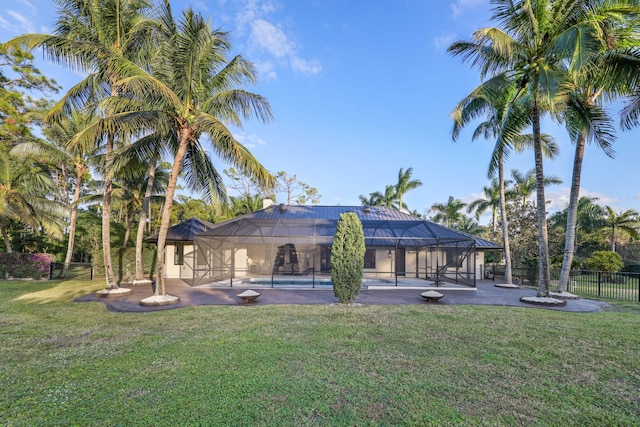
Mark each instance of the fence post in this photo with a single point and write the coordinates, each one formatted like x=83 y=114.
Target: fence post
x=91 y=273
x=50 y=271
x=638 y=287
x=599 y=280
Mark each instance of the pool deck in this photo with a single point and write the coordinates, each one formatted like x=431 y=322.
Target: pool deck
x=485 y=294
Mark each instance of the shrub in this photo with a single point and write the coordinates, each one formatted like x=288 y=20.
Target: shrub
x=604 y=261
x=20 y=265
x=347 y=257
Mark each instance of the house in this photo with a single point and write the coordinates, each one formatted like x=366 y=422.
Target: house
x=179 y=247
x=287 y=242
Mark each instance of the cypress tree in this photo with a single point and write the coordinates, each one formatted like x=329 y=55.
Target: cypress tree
x=347 y=257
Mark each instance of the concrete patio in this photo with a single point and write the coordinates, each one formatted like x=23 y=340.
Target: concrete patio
x=485 y=294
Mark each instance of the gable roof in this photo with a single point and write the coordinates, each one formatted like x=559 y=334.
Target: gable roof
x=381 y=225
x=184 y=231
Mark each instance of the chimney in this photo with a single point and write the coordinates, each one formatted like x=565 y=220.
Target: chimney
x=266 y=203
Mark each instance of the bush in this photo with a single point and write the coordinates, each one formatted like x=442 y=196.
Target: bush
x=347 y=257
x=604 y=261
x=24 y=266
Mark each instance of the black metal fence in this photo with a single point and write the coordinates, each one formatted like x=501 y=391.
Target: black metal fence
x=76 y=271
x=621 y=286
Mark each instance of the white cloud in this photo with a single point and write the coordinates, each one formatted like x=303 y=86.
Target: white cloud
x=265 y=70
x=303 y=66
x=28 y=5
x=460 y=7
x=250 y=141
x=443 y=42
x=269 y=39
x=558 y=198
x=23 y=22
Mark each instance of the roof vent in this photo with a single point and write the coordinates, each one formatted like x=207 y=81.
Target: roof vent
x=366 y=209
x=282 y=207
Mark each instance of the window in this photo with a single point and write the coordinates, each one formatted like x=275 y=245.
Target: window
x=370 y=258
x=178 y=258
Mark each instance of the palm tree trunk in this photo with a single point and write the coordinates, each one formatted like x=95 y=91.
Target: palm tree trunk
x=106 y=216
x=7 y=244
x=73 y=219
x=613 y=238
x=5 y=237
x=127 y=232
x=185 y=136
x=508 y=278
x=572 y=215
x=544 y=279
x=143 y=221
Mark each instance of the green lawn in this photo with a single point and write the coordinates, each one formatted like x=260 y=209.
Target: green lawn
x=67 y=363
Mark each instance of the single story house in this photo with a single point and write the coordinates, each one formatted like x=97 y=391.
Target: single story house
x=179 y=247
x=294 y=242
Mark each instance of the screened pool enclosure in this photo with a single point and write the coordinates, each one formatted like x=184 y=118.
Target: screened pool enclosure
x=292 y=244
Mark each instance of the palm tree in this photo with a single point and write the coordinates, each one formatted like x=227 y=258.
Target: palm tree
x=405 y=184
x=25 y=196
x=505 y=120
x=588 y=122
x=193 y=91
x=531 y=47
x=491 y=200
x=60 y=134
x=525 y=184
x=388 y=199
x=628 y=221
x=95 y=36
x=448 y=213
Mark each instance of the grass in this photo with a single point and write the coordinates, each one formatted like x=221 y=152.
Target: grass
x=66 y=363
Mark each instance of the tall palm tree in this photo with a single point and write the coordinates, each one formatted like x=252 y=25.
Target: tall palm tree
x=628 y=221
x=194 y=90
x=60 y=134
x=94 y=36
x=405 y=184
x=532 y=45
x=585 y=120
x=448 y=213
x=505 y=119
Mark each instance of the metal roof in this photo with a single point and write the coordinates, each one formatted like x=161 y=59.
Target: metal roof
x=184 y=231
x=381 y=225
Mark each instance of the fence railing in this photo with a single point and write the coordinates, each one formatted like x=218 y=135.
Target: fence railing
x=587 y=283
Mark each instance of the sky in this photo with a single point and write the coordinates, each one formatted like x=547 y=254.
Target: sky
x=362 y=88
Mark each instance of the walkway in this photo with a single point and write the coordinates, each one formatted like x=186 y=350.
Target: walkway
x=486 y=294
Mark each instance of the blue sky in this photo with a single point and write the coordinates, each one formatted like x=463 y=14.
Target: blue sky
x=362 y=88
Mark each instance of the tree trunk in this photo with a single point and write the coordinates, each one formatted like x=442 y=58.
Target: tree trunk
x=5 y=237
x=143 y=221
x=572 y=215
x=127 y=231
x=544 y=279
x=185 y=136
x=613 y=238
x=508 y=278
x=73 y=219
x=106 y=216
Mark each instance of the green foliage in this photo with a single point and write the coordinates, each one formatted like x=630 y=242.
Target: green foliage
x=604 y=261
x=347 y=257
